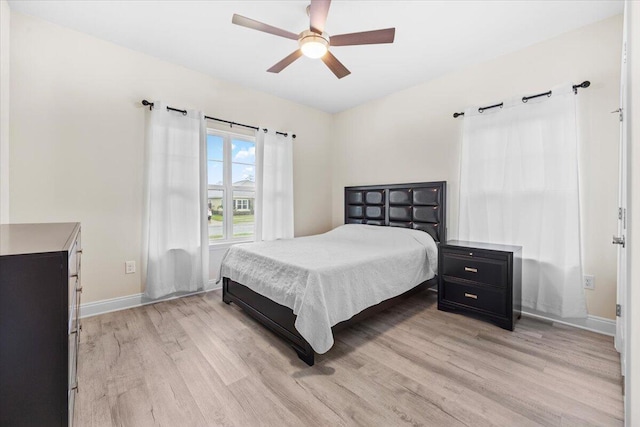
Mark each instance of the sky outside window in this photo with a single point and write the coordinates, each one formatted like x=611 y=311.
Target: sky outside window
x=243 y=155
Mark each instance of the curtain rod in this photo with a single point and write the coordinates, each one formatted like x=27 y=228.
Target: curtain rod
x=184 y=112
x=584 y=84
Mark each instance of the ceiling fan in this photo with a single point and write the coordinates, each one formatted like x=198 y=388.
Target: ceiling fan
x=315 y=42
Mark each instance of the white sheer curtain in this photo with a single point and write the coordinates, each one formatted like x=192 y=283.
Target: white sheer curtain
x=519 y=185
x=175 y=242
x=274 y=169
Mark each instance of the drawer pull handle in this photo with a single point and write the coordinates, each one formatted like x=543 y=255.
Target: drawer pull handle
x=79 y=251
x=471 y=270
x=73 y=276
x=470 y=295
x=79 y=289
x=75 y=386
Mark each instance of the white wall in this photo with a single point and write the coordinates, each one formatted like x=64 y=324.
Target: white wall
x=411 y=136
x=77 y=133
x=632 y=398
x=5 y=24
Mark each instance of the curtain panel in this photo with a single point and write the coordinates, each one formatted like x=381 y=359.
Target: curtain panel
x=519 y=186
x=175 y=239
x=274 y=198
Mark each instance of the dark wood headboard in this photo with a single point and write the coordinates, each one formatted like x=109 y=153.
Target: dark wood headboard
x=421 y=206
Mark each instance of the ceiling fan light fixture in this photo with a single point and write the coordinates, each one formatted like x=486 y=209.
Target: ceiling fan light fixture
x=314 y=42
x=313 y=45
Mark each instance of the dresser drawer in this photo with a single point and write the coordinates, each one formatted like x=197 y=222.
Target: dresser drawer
x=484 y=270
x=78 y=252
x=75 y=282
x=73 y=304
x=71 y=400
x=479 y=297
x=74 y=345
x=73 y=264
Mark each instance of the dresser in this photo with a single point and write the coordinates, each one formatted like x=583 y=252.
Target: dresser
x=481 y=278
x=40 y=289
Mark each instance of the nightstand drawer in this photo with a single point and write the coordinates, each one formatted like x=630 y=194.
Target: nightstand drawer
x=483 y=298
x=483 y=270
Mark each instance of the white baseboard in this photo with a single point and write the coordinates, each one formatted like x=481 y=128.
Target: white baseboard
x=108 y=305
x=596 y=324
x=130 y=301
x=591 y=323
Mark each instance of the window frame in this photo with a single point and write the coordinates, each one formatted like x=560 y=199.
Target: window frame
x=228 y=188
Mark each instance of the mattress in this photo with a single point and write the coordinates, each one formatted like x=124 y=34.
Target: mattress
x=328 y=278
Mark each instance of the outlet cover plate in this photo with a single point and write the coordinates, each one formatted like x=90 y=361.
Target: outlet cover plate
x=129 y=267
x=589 y=281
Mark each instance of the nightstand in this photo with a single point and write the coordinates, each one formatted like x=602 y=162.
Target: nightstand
x=481 y=278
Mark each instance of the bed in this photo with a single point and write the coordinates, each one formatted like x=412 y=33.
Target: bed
x=305 y=289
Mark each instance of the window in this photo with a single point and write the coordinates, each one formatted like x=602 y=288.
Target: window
x=240 y=204
x=231 y=168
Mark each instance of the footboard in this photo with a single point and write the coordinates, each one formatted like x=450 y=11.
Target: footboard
x=281 y=320
x=277 y=317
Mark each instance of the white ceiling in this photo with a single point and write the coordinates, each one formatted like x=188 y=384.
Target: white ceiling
x=432 y=38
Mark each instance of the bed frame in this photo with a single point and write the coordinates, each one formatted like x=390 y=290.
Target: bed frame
x=421 y=206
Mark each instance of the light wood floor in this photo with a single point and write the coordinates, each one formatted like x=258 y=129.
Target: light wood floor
x=199 y=362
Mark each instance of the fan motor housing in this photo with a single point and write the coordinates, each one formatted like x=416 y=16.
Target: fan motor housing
x=312 y=44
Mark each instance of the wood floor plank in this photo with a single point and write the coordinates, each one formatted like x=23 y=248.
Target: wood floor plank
x=508 y=394
x=566 y=357
x=353 y=408
x=260 y=404
x=92 y=401
x=579 y=379
x=171 y=398
x=220 y=357
x=571 y=376
x=196 y=361
x=172 y=335
x=127 y=389
x=547 y=389
x=405 y=407
x=436 y=384
x=217 y=405
x=468 y=407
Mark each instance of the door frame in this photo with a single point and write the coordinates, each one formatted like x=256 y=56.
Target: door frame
x=623 y=319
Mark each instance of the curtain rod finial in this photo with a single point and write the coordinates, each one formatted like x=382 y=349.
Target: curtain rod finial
x=584 y=84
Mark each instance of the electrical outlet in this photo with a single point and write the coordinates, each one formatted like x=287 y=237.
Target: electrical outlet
x=589 y=282
x=129 y=267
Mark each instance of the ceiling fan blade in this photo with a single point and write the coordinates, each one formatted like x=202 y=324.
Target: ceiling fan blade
x=335 y=66
x=257 y=25
x=285 y=62
x=366 y=37
x=318 y=13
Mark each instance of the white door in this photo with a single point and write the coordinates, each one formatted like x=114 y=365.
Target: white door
x=621 y=238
